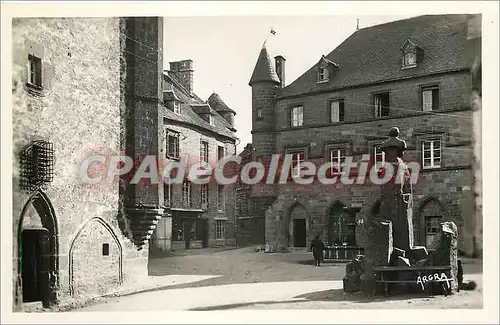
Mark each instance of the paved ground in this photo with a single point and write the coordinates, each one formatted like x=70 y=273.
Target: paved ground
x=244 y=265
x=250 y=280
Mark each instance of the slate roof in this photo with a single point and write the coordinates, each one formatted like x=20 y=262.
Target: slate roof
x=373 y=54
x=264 y=68
x=189 y=105
x=169 y=93
x=247 y=151
x=218 y=104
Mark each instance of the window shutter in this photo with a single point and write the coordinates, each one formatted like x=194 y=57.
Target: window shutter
x=167 y=140
x=435 y=99
x=341 y=111
x=385 y=105
x=427 y=100
x=377 y=106
x=335 y=111
x=177 y=149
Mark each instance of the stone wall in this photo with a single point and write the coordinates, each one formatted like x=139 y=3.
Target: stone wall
x=454 y=201
x=263 y=98
x=78 y=110
x=454 y=94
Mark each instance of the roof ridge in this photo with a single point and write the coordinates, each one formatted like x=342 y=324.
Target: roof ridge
x=406 y=19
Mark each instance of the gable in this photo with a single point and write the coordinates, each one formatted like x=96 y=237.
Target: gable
x=408 y=46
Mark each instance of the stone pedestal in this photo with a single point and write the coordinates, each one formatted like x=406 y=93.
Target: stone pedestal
x=446 y=250
x=393 y=208
x=378 y=250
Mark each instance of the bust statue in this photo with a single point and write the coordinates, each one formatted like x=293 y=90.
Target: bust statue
x=393 y=143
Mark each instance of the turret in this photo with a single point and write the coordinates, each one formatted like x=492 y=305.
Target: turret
x=216 y=102
x=265 y=83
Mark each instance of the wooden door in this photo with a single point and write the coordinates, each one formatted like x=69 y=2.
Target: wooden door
x=35 y=265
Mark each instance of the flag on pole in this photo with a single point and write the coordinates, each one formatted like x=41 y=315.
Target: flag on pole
x=273 y=32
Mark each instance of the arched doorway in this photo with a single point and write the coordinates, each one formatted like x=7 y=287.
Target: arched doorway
x=94 y=247
x=38 y=251
x=298 y=226
x=429 y=222
x=340 y=229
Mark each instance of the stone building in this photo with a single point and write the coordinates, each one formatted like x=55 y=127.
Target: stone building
x=195 y=131
x=412 y=73
x=250 y=214
x=76 y=94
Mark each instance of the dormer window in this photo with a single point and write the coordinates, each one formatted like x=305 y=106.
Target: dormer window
x=211 y=119
x=323 y=74
x=410 y=59
x=177 y=107
x=411 y=54
x=326 y=69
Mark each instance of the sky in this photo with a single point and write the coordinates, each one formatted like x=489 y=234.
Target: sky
x=224 y=51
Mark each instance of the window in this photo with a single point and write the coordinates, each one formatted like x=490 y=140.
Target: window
x=432 y=228
x=378 y=156
x=220 y=229
x=322 y=74
x=204 y=151
x=337 y=160
x=204 y=194
x=381 y=104
x=430 y=98
x=260 y=113
x=211 y=119
x=105 y=249
x=297 y=116
x=337 y=111
x=167 y=190
x=177 y=107
x=220 y=153
x=297 y=159
x=172 y=144
x=409 y=60
x=431 y=153
x=221 y=197
x=34 y=71
x=186 y=194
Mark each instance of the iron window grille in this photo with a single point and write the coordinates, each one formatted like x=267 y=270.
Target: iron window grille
x=36 y=165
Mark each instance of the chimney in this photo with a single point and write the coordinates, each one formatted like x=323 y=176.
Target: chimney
x=183 y=72
x=280 y=69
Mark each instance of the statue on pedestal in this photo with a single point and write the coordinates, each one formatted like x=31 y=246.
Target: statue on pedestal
x=397 y=197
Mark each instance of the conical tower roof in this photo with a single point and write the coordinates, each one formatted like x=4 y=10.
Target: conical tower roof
x=264 y=69
x=218 y=104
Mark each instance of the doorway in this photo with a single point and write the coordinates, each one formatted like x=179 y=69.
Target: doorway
x=35 y=259
x=188 y=232
x=299 y=233
x=38 y=252
x=337 y=226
